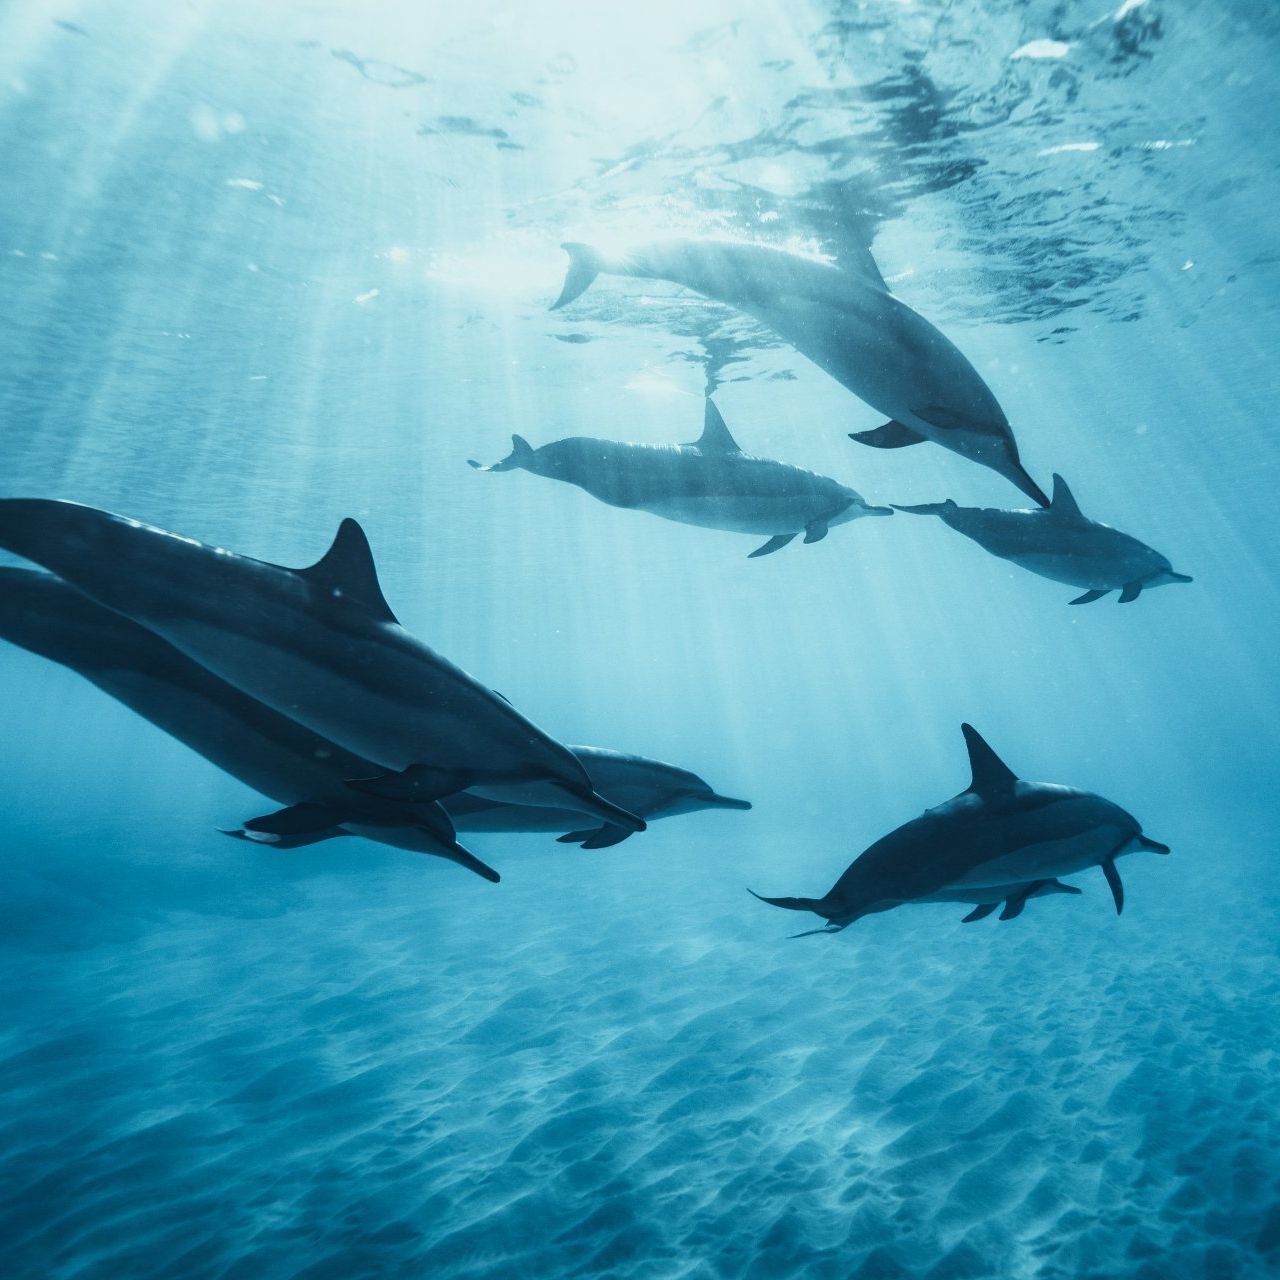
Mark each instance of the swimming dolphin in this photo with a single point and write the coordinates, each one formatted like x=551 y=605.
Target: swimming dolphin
x=247 y=739
x=648 y=788
x=999 y=831
x=1061 y=543
x=710 y=483
x=847 y=322
x=320 y=645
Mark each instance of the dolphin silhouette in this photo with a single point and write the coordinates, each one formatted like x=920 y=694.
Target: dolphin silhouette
x=320 y=645
x=710 y=483
x=1061 y=543
x=999 y=831
x=847 y=322
x=648 y=788
x=247 y=739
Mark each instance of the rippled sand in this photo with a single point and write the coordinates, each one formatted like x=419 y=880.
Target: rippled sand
x=398 y=1070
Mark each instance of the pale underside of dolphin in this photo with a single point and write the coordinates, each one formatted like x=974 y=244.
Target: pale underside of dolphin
x=648 y=788
x=319 y=645
x=245 y=738
x=710 y=483
x=1063 y=544
x=846 y=321
x=1000 y=831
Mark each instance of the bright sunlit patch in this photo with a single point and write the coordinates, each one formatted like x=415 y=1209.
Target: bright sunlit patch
x=1128 y=7
x=361 y=298
x=648 y=383
x=398 y=255
x=1167 y=144
x=246 y=184
x=1042 y=49
x=1069 y=146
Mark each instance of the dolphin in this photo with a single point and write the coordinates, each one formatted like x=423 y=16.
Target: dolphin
x=642 y=786
x=999 y=831
x=320 y=645
x=247 y=739
x=710 y=483
x=1061 y=543
x=847 y=322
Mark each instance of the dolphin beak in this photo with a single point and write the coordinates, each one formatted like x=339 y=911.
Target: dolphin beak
x=1180 y=577
x=1155 y=846
x=723 y=802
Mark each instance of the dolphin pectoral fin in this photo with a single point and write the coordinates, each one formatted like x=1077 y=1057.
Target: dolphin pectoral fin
x=464 y=858
x=980 y=912
x=605 y=837
x=892 y=435
x=585 y=263
x=815 y=531
x=1058 y=886
x=809 y=933
x=776 y=543
x=576 y=837
x=295 y=820
x=1016 y=903
x=1089 y=597
x=419 y=782
x=1114 y=883
x=1132 y=590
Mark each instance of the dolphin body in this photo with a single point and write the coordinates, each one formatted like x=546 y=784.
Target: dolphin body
x=319 y=645
x=847 y=322
x=710 y=483
x=999 y=832
x=247 y=739
x=642 y=786
x=1063 y=544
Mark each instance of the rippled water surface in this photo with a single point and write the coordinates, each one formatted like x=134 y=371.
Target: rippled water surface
x=269 y=265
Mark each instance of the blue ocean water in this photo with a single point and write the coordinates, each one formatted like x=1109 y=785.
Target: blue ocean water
x=270 y=265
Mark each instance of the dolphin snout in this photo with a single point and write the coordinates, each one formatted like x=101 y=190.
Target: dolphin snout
x=723 y=802
x=1154 y=845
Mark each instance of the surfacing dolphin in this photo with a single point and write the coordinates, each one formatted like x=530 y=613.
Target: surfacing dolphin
x=320 y=645
x=847 y=322
x=999 y=831
x=710 y=483
x=1061 y=543
x=648 y=788
x=247 y=739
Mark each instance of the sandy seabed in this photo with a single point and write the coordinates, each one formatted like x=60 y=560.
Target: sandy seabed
x=614 y=1065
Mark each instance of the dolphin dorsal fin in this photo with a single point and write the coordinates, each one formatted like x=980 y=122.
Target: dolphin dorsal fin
x=858 y=261
x=715 y=437
x=347 y=569
x=1064 y=505
x=990 y=773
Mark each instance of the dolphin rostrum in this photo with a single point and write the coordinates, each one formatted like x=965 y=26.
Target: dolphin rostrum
x=847 y=322
x=648 y=788
x=320 y=645
x=247 y=739
x=999 y=831
x=710 y=483
x=1061 y=543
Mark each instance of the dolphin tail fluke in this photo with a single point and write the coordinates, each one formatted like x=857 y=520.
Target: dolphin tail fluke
x=585 y=263
x=521 y=456
x=791 y=904
x=298 y=840
x=603 y=837
x=892 y=435
x=294 y=820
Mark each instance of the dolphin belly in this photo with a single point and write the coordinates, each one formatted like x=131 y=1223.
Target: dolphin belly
x=1049 y=859
x=758 y=514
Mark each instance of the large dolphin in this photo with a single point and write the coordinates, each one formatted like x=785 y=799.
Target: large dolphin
x=320 y=645
x=1063 y=544
x=263 y=749
x=847 y=322
x=642 y=786
x=710 y=483
x=999 y=831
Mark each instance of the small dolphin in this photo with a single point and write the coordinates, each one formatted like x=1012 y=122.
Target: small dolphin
x=1000 y=831
x=320 y=645
x=710 y=483
x=1061 y=543
x=266 y=751
x=847 y=322
x=648 y=788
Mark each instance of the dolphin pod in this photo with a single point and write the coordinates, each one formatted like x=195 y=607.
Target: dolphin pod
x=319 y=645
x=280 y=758
x=711 y=483
x=846 y=321
x=1004 y=836
x=1063 y=544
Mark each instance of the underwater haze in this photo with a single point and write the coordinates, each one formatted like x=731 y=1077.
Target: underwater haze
x=271 y=265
